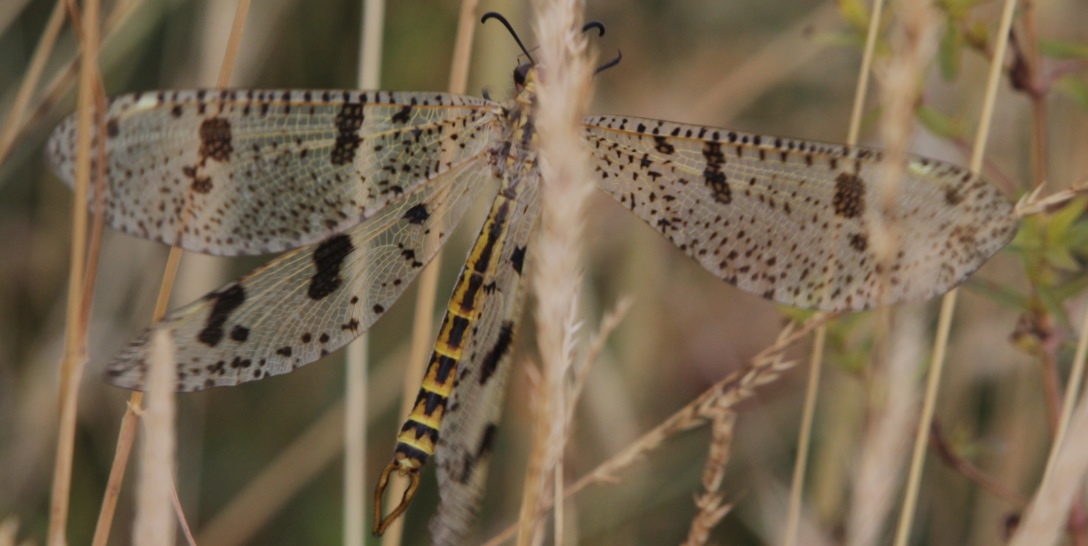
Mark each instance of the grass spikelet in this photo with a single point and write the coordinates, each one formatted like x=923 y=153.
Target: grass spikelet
x=563 y=92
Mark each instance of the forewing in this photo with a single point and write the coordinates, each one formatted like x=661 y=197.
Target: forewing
x=792 y=220
x=472 y=416
x=310 y=301
x=249 y=172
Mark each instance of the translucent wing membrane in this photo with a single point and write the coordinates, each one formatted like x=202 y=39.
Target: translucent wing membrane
x=791 y=220
x=475 y=407
x=249 y=172
x=310 y=301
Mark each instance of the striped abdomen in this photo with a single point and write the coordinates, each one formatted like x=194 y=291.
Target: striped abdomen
x=419 y=434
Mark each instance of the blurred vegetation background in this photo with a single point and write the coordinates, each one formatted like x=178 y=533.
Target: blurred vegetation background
x=785 y=67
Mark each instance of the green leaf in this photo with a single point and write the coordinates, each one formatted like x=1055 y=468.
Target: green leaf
x=840 y=39
x=1053 y=305
x=1078 y=238
x=948 y=54
x=999 y=294
x=1072 y=287
x=1059 y=257
x=938 y=123
x=1061 y=49
x=855 y=13
x=1061 y=220
x=958 y=9
x=1029 y=237
x=1074 y=88
x=977 y=35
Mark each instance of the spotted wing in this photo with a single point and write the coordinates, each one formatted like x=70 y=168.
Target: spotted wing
x=250 y=172
x=310 y=301
x=792 y=220
x=472 y=416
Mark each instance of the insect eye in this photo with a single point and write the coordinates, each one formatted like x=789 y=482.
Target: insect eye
x=521 y=73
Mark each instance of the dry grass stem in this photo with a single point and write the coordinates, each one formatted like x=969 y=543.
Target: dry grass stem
x=125 y=438
x=155 y=491
x=74 y=360
x=791 y=50
x=948 y=303
x=989 y=100
x=295 y=466
x=710 y=504
x=864 y=71
x=462 y=48
x=885 y=444
x=130 y=419
x=563 y=91
x=356 y=358
x=1066 y=465
x=355 y=448
x=1034 y=203
x=33 y=74
x=962 y=466
x=892 y=387
x=1072 y=393
x=1045 y=520
x=912 y=39
x=16 y=125
x=9 y=529
x=764 y=368
x=793 y=517
x=609 y=323
x=9 y=11
x=277 y=482
x=804 y=438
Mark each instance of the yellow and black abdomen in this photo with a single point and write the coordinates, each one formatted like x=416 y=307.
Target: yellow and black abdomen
x=419 y=434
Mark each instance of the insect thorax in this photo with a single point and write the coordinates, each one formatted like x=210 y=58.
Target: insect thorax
x=513 y=152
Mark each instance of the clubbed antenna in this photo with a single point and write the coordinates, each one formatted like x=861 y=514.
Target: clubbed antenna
x=496 y=15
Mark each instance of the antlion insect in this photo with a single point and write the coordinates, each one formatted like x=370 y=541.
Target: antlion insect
x=377 y=181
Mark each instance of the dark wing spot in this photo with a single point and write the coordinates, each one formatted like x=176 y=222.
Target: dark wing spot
x=495 y=356
x=239 y=333
x=328 y=258
x=715 y=178
x=240 y=362
x=284 y=351
x=215 y=139
x=112 y=128
x=348 y=122
x=201 y=184
x=662 y=146
x=952 y=195
x=487 y=440
x=417 y=214
x=517 y=259
x=402 y=115
x=859 y=242
x=849 y=200
x=225 y=304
